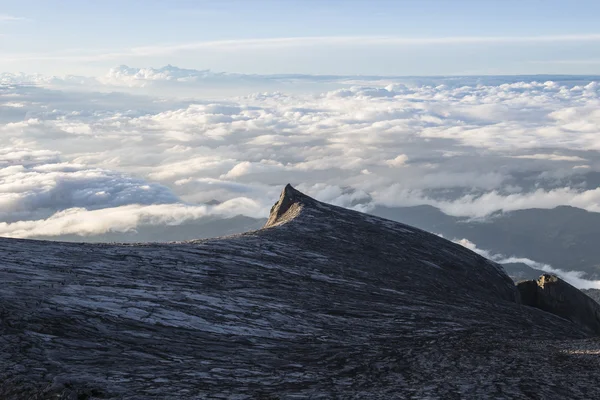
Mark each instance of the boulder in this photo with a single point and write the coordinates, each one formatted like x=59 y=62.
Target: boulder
x=553 y=295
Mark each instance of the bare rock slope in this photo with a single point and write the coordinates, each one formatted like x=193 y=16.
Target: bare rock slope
x=552 y=294
x=322 y=303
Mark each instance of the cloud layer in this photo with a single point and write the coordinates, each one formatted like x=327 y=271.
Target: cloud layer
x=81 y=162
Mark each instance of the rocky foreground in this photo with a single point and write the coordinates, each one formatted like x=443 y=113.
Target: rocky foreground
x=322 y=303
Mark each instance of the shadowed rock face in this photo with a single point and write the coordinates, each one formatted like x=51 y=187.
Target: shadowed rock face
x=322 y=303
x=553 y=295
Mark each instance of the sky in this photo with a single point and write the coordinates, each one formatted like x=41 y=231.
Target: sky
x=373 y=37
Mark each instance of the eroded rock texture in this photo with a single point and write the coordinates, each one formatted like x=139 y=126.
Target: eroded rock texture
x=323 y=303
x=552 y=294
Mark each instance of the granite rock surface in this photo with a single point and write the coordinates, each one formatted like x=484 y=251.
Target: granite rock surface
x=552 y=294
x=322 y=303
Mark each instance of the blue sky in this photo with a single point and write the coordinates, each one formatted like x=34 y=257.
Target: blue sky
x=425 y=37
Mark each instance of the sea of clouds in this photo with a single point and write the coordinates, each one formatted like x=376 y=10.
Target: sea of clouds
x=146 y=147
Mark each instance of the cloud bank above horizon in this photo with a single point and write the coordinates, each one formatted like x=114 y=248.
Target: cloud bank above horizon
x=138 y=150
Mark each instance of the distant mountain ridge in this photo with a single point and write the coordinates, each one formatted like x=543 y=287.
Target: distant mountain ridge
x=564 y=237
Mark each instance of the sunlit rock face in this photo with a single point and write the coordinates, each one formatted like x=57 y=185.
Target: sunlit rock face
x=321 y=303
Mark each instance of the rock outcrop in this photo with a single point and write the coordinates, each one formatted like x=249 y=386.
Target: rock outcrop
x=288 y=206
x=553 y=295
x=322 y=303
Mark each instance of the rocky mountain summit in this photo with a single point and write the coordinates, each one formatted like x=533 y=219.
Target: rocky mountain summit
x=321 y=303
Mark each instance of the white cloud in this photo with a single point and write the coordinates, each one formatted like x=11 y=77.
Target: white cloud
x=575 y=278
x=127 y=76
x=551 y=157
x=247 y=168
x=398 y=161
x=42 y=196
x=85 y=222
x=469 y=147
x=481 y=205
x=12 y=104
x=37 y=182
